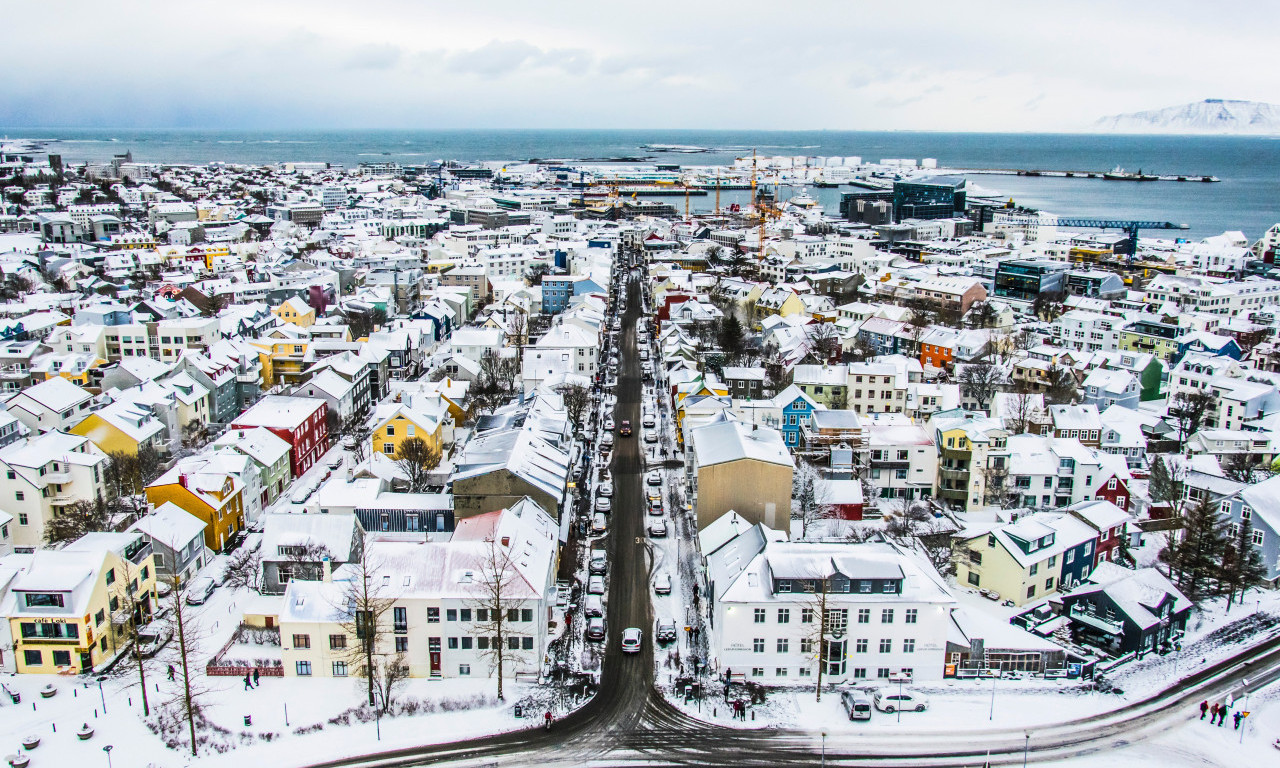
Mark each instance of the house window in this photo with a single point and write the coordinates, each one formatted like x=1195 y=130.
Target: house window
x=464 y=669
x=860 y=645
x=391 y=431
x=339 y=669
x=806 y=615
x=1031 y=591
x=1071 y=555
x=1257 y=538
x=1035 y=568
x=886 y=645
x=402 y=644
x=1048 y=583
x=759 y=615
x=464 y=614
x=433 y=615
x=864 y=615
x=784 y=645
x=32 y=658
x=757 y=645
x=974 y=579
x=453 y=643
x=337 y=642
x=909 y=645
x=784 y=615
x=301 y=642
x=304 y=668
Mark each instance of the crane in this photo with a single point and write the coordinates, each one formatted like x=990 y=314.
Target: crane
x=1128 y=246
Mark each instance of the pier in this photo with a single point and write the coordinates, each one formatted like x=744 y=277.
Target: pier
x=1104 y=175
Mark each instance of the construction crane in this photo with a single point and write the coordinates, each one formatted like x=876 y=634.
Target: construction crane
x=1128 y=246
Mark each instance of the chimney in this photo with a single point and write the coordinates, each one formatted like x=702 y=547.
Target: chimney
x=182 y=480
x=506 y=541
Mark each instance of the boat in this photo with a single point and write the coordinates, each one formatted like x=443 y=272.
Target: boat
x=1120 y=174
x=824 y=184
x=803 y=200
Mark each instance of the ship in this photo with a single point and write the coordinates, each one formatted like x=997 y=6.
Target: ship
x=1120 y=174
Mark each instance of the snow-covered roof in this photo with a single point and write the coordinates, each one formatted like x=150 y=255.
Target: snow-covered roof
x=170 y=525
x=727 y=441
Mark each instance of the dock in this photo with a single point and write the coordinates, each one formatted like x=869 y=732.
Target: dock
x=1104 y=175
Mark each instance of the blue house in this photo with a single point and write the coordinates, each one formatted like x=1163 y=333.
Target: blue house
x=1210 y=343
x=558 y=289
x=797 y=411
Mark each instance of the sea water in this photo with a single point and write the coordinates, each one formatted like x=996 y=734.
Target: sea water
x=1247 y=199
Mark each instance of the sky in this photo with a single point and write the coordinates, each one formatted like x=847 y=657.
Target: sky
x=699 y=64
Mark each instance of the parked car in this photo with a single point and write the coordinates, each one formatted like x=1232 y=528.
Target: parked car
x=658 y=528
x=604 y=505
x=301 y=494
x=335 y=462
x=599 y=523
x=599 y=561
x=650 y=436
x=595 y=585
x=631 y=638
x=655 y=507
x=605 y=489
x=595 y=628
x=152 y=637
x=648 y=422
x=857 y=705
x=606 y=440
x=907 y=700
x=608 y=424
x=198 y=590
x=665 y=631
x=593 y=606
x=662 y=584
x=653 y=478
x=990 y=594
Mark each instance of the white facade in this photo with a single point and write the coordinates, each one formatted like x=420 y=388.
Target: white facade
x=885 y=614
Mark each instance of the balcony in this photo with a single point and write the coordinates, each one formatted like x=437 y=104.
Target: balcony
x=956 y=475
x=1081 y=614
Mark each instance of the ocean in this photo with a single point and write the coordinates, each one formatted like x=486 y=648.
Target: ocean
x=1247 y=198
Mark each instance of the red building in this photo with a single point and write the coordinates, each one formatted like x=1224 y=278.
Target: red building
x=299 y=421
x=1107 y=519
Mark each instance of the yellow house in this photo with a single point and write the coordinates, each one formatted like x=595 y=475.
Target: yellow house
x=296 y=311
x=397 y=422
x=697 y=389
x=73 y=608
x=122 y=427
x=282 y=360
x=212 y=496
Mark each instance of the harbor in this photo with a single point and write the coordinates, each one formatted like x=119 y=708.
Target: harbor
x=1119 y=174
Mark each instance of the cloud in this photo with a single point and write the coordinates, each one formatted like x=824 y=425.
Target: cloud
x=498 y=58
x=374 y=56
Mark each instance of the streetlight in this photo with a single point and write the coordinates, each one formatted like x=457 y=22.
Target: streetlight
x=1026 y=747
x=824 y=749
x=102 y=696
x=108 y=749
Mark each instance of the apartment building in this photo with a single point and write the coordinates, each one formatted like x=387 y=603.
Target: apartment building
x=45 y=474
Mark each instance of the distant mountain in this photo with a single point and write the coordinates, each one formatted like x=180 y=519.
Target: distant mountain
x=1211 y=116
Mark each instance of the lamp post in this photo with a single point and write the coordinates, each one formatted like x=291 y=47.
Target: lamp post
x=899 y=698
x=1026 y=747
x=102 y=696
x=108 y=749
x=824 y=749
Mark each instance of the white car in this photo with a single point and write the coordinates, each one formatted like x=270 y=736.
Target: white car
x=335 y=462
x=595 y=585
x=631 y=637
x=605 y=489
x=658 y=528
x=662 y=584
x=654 y=478
x=199 y=590
x=648 y=422
x=152 y=637
x=606 y=440
x=650 y=436
x=598 y=523
x=603 y=505
x=907 y=700
x=608 y=424
x=665 y=630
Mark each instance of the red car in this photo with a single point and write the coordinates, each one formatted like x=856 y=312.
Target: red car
x=624 y=429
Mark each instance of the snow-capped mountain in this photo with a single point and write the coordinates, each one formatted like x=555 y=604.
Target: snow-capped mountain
x=1220 y=116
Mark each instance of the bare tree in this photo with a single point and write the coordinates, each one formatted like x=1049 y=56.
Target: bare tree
x=244 y=569
x=518 y=332
x=190 y=691
x=1022 y=410
x=820 y=626
x=416 y=458
x=1241 y=467
x=75 y=521
x=824 y=340
x=812 y=495
x=356 y=430
x=497 y=593
x=998 y=488
x=133 y=614
x=577 y=399
x=365 y=600
x=390 y=679
x=1189 y=411
x=935 y=541
x=1060 y=385
x=981 y=381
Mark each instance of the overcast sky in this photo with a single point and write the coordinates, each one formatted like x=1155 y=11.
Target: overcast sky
x=853 y=65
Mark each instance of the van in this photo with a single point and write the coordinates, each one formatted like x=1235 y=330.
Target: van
x=856 y=704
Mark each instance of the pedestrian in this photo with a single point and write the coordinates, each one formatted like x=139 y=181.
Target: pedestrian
x=1213 y=714
x=1222 y=715
x=1204 y=707
x=171 y=673
x=255 y=677
x=247 y=686
x=1238 y=716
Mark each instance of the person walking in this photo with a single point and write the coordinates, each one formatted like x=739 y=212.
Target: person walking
x=255 y=677
x=247 y=685
x=1238 y=716
x=1213 y=714
x=172 y=673
x=1204 y=707
x=1222 y=715
x=546 y=719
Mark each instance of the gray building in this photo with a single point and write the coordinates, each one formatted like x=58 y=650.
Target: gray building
x=303 y=547
x=1260 y=504
x=177 y=539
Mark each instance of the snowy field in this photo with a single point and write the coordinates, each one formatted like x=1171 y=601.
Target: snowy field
x=320 y=726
